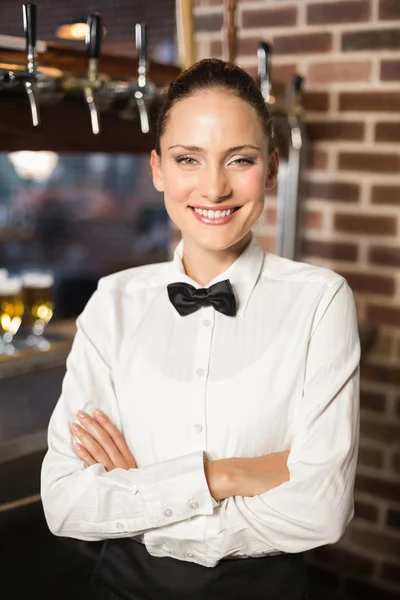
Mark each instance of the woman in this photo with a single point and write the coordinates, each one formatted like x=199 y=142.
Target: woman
x=208 y=422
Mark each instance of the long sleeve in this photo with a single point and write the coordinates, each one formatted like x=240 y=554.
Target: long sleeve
x=87 y=502
x=315 y=506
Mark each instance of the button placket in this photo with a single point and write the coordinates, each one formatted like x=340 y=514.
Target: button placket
x=200 y=377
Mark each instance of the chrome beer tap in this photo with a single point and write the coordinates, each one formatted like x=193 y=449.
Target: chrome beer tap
x=28 y=77
x=264 y=54
x=142 y=86
x=93 y=43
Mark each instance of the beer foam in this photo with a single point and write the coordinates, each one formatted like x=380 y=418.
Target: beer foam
x=10 y=285
x=37 y=280
x=3 y=273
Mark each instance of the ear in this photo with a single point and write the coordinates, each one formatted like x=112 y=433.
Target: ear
x=273 y=168
x=155 y=163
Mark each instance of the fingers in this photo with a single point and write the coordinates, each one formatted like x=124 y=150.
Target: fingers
x=83 y=454
x=89 y=443
x=116 y=436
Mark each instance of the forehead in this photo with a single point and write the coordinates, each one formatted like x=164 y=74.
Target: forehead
x=213 y=117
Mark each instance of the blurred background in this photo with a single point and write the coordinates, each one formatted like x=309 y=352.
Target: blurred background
x=77 y=203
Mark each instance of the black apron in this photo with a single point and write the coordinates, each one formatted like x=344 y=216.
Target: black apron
x=126 y=571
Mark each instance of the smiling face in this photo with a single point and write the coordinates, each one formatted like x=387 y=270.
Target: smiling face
x=214 y=169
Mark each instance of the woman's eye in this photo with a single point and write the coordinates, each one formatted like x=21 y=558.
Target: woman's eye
x=185 y=160
x=243 y=161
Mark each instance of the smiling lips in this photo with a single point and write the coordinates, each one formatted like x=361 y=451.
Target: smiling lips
x=214 y=217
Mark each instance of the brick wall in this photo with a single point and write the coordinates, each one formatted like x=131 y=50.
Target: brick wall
x=349 y=53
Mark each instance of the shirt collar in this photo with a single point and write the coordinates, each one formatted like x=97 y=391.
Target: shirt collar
x=243 y=273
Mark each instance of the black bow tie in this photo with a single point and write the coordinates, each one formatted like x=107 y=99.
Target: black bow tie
x=187 y=299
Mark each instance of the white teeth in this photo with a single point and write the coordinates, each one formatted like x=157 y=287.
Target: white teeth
x=211 y=214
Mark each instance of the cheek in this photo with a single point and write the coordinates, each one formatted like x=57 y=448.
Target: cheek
x=176 y=188
x=251 y=187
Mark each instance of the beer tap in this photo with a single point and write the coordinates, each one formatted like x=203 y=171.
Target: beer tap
x=264 y=54
x=30 y=78
x=93 y=43
x=142 y=86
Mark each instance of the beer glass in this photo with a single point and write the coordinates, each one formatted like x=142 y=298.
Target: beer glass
x=37 y=294
x=11 y=311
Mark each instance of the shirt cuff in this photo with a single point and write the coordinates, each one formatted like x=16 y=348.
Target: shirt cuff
x=175 y=490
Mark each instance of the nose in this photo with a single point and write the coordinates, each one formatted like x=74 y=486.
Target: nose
x=215 y=185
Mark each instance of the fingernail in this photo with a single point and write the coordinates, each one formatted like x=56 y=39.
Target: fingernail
x=81 y=414
x=99 y=413
x=75 y=427
x=78 y=446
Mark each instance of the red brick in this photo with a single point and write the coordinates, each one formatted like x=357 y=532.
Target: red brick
x=381 y=373
x=384 y=255
x=390 y=70
x=341 y=191
x=386 y=194
x=396 y=463
x=383 y=315
x=327 y=72
x=312 y=219
x=332 y=250
x=335 y=130
x=370 y=162
x=370 y=101
x=279 y=73
x=389 y=9
x=366 y=283
x=361 y=590
x=390 y=573
x=381 y=432
x=317 y=159
x=373 y=39
x=276 y=17
x=370 y=457
x=346 y=561
x=316 y=101
x=310 y=43
x=270 y=216
x=365 y=224
x=393 y=518
x=338 y=12
x=364 y=511
x=211 y=22
x=373 y=401
x=387 y=131
x=376 y=542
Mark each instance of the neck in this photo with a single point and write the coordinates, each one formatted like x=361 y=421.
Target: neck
x=204 y=265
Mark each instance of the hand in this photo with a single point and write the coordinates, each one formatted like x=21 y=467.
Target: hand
x=246 y=476
x=100 y=442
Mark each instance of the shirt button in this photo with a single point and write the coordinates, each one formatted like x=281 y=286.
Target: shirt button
x=168 y=512
x=206 y=322
x=189 y=554
x=120 y=526
x=198 y=428
x=194 y=505
x=200 y=372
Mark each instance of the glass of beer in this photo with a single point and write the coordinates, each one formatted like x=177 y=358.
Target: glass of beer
x=37 y=294
x=11 y=311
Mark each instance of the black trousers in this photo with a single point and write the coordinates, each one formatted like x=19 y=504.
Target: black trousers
x=126 y=571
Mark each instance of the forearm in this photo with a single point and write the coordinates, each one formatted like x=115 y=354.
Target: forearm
x=246 y=476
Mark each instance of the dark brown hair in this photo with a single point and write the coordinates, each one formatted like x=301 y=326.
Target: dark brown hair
x=208 y=74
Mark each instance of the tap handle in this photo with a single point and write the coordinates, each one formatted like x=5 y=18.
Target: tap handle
x=94 y=36
x=264 y=54
x=29 y=18
x=298 y=82
x=141 y=47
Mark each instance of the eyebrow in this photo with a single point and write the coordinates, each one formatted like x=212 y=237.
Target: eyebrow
x=233 y=149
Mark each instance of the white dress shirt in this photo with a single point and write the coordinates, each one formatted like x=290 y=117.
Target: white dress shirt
x=281 y=374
